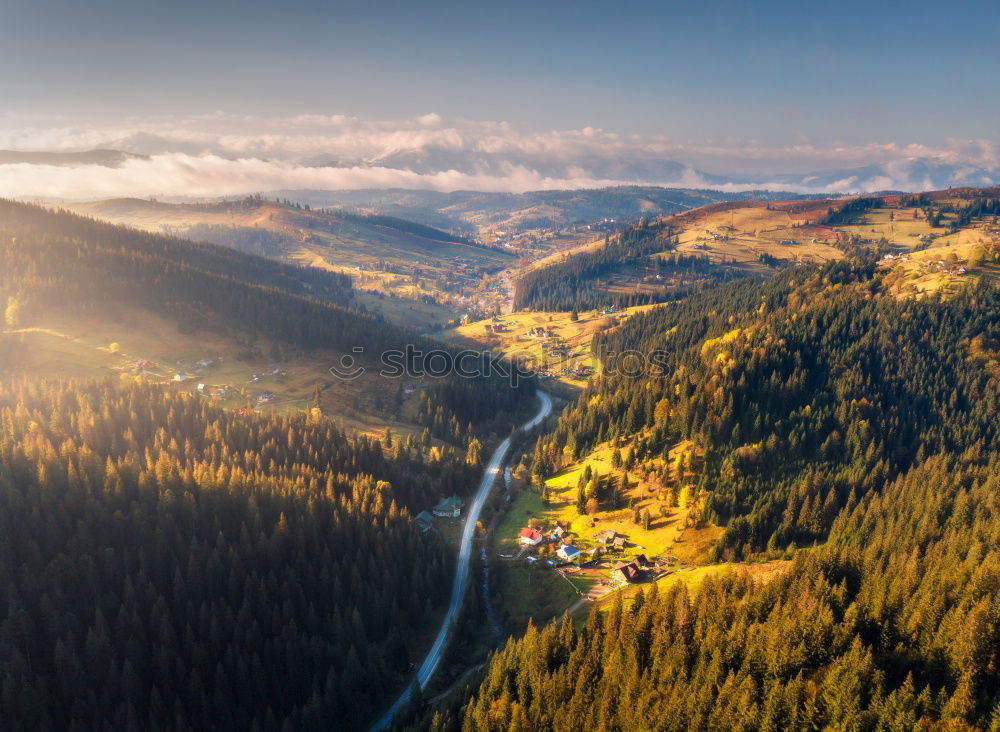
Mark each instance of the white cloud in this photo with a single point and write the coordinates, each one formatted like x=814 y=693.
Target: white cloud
x=181 y=175
x=226 y=154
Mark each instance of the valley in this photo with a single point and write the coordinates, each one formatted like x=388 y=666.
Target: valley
x=499 y=367
x=725 y=467
x=416 y=275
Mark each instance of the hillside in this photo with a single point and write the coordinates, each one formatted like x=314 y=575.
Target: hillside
x=84 y=298
x=166 y=559
x=934 y=241
x=560 y=354
x=891 y=626
x=438 y=273
x=746 y=424
x=529 y=216
x=189 y=497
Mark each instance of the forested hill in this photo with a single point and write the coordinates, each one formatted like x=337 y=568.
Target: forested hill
x=97 y=243
x=409 y=227
x=522 y=211
x=72 y=264
x=282 y=229
x=802 y=393
x=566 y=284
x=166 y=564
x=891 y=626
x=825 y=413
x=935 y=241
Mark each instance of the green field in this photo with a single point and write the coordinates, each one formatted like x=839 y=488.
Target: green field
x=574 y=337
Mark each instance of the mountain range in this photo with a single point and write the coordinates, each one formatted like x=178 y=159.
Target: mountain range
x=904 y=173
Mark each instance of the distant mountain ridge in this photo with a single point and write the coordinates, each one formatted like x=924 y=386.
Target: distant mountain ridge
x=904 y=173
x=473 y=210
x=910 y=174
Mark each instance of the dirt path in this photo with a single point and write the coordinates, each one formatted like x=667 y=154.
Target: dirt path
x=595 y=593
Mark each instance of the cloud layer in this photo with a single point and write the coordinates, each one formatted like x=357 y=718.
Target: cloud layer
x=222 y=154
x=173 y=175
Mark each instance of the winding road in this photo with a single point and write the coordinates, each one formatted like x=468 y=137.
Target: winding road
x=430 y=664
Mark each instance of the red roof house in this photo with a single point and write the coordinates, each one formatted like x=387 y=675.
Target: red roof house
x=530 y=537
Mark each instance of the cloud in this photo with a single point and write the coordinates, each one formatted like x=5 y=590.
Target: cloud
x=219 y=154
x=178 y=175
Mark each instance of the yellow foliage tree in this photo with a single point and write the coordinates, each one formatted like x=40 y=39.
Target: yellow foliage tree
x=12 y=316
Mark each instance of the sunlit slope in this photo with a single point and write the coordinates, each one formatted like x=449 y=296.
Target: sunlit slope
x=84 y=298
x=341 y=240
x=425 y=271
x=933 y=241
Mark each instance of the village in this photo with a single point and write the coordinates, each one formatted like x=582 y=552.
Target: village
x=612 y=561
x=608 y=561
x=193 y=372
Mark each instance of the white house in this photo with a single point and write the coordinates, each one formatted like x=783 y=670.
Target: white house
x=568 y=553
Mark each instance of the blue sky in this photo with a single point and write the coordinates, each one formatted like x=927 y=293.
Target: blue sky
x=231 y=96
x=848 y=71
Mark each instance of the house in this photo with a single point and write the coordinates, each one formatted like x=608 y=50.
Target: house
x=606 y=537
x=450 y=507
x=568 y=553
x=626 y=573
x=618 y=543
x=180 y=376
x=424 y=521
x=265 y=397
x=557 y=533
x=530 y=537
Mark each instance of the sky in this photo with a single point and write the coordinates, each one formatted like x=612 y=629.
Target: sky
x=734 y=88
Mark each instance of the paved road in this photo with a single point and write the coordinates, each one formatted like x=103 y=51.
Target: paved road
x=430 y=664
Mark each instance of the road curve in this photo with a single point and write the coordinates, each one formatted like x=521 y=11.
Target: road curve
x=430 y=664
